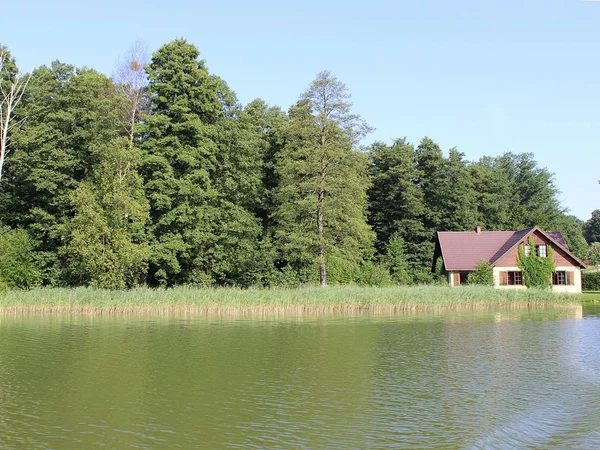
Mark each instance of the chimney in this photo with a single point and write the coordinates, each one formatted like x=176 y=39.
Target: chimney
x=478 y=230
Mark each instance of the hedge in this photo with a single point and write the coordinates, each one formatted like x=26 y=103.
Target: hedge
x=590 y=281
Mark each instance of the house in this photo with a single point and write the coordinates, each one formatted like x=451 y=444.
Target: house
x=462 y=250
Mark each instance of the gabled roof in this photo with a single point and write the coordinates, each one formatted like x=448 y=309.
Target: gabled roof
x=462 y=250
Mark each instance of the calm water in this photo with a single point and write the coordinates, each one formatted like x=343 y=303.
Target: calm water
x=470 y=380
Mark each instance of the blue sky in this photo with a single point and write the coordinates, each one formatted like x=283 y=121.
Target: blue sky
x=486 y=77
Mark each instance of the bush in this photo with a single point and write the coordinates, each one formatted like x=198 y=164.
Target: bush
x=371 y=274
x=483 y=274
x=18 y=268
x=290 y=277
x=590 y=281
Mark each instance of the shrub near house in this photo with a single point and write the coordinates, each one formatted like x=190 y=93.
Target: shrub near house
x=591 y=281
x=460 y=252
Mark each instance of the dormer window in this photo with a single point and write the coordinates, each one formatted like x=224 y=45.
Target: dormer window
x=541 y=250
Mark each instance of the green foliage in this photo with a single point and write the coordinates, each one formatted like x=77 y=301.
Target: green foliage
x=397 y=209
x=572 y=230
x=202 y=167
x=533 y=196
x=537 y=270
x=321 y=197
x=395 y=260
x=268 y=124
x=447 y=187
x=69 y=112
x=105 y=242
x=211 y=193
x=290 y=277
x=483 y=274
x=593 y=253
x=371 y=274
x=18 y=268
x=590 y=281
x=592 y=227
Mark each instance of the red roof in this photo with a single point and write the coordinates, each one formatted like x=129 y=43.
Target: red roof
x=462 y=250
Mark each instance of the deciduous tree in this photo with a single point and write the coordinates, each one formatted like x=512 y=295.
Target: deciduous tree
x=199 y=177
x=105 y=241
x=591 y=228
x=131 y=80
x=69 y=113
x=12 y=88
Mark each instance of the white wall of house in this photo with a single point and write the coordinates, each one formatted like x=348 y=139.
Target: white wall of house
x=575 y=288
x=497 y=271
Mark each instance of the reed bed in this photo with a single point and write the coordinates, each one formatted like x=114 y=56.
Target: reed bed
x=314 y=300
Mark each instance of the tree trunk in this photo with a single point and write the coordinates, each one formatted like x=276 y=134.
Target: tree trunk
x=321 y=249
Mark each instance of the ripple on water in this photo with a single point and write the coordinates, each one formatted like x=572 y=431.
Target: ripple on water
x=462 y=381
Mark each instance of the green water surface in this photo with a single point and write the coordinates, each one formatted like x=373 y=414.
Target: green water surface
x=500 y=379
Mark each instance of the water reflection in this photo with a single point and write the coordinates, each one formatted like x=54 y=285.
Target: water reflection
x=492 y=379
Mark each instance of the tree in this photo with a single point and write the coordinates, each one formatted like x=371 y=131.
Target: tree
x=199 y=176
x=70 y=112
x=593 y=254
x=18 y=267
x=592 y=227
x=447 y=188
x=321 y=197
x=533 y=196
x=395 y=260
x=397 y=209
x=396 y=202
x=105 y=240
x=12 y=88
x=449 y=197
x=269 y=124
x=572 y=230
x=131 y=80
x=494 y=194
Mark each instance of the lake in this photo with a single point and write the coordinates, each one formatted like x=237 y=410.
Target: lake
x=493 y=379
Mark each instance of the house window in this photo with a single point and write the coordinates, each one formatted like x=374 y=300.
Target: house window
x=515 y=278
x=541 y=250
x=526 y=249
x=511 y=278
x=563 y=278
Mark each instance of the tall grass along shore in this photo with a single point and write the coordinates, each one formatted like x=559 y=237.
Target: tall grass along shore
x=189 y=300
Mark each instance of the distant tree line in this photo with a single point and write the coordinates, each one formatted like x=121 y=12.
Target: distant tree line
x=159 y=176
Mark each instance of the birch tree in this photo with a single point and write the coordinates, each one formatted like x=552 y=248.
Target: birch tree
x=131 y=81
x=12 y=88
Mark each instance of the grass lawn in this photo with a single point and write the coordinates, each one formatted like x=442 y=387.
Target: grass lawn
x=591 y=296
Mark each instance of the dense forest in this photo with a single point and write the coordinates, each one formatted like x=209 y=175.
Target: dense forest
x=158 y=176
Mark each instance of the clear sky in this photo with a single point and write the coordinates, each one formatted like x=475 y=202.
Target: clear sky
x=484 y=76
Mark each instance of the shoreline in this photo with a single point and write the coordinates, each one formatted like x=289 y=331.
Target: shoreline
x=275 y=301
